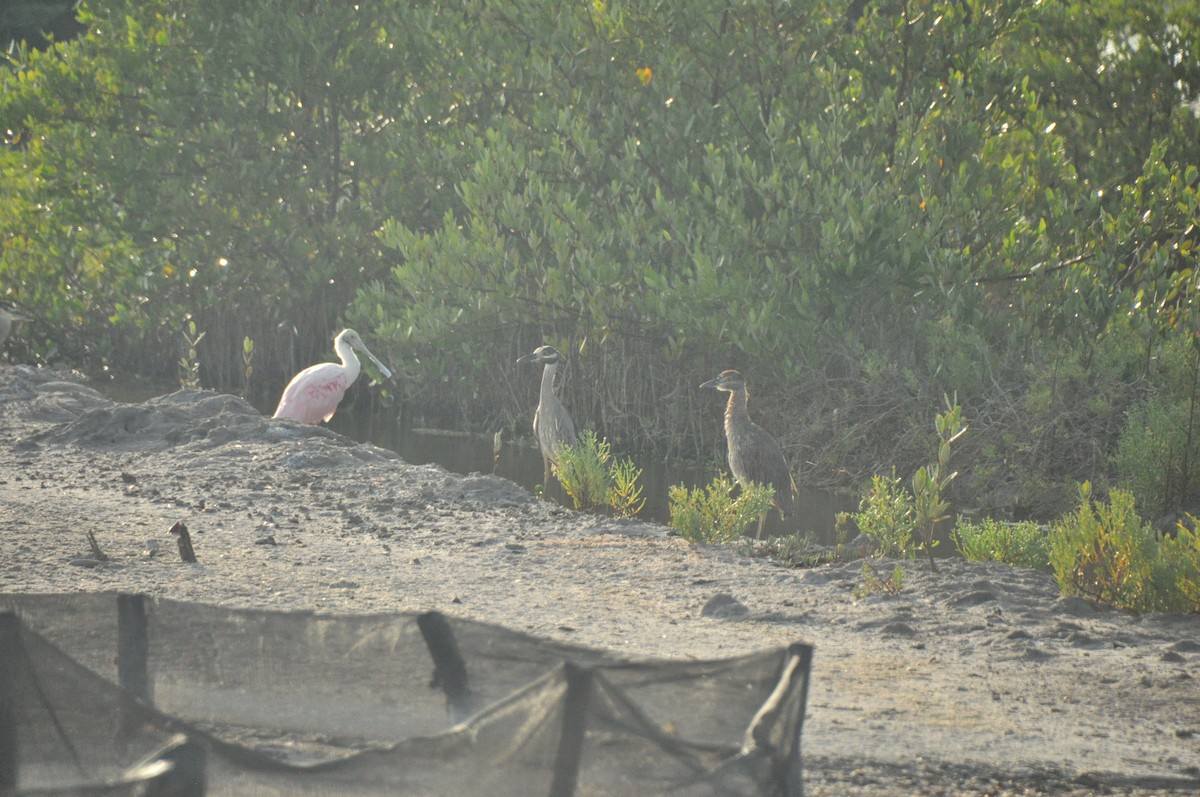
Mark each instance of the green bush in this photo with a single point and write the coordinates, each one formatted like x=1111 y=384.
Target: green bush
x=1184 y=550
x=624 y=490
x=931 y=482
x=1157 y=456
x=1021 y=544
x=1107 y=553
x=711 y=515
x=887 y=517
x=875 y=582
x=594 y=480
x=582 y=471
x=456 y=179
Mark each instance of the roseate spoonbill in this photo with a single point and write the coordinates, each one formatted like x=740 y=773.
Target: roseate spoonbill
x=8 y=315
x=313 y=394
x=754 y=456
x=552 y=425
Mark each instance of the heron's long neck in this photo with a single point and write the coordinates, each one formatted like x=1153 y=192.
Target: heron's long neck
x=548 y=382
x=345 y=353
x=736 y=413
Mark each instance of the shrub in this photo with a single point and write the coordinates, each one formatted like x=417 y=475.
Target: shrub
x=931 y=482
x=624 y=491
x=1021 y=544
x=1107 y=553
x=594 y=480
x=1184 y=550
x=886 y=517
x=583 y=471
x=1155 y=458
x=875 y=582
x=711 y=515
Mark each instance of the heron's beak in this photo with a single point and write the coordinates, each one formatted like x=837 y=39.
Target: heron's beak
x=711 y=383
x=383 y=369
x=529 y=358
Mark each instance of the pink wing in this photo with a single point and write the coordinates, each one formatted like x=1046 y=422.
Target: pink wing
x=313 y=394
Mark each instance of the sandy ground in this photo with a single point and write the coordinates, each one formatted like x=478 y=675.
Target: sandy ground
x=976 y=680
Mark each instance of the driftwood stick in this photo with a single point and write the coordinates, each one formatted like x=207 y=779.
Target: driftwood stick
x=186 y=553
x=97 y=554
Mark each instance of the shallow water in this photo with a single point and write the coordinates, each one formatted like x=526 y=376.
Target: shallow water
x=520 y=462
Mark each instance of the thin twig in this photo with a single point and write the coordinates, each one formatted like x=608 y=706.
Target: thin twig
x=97 y=554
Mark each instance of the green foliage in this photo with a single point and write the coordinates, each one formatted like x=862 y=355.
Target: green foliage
x=886 y=516
x=189 y=363
x=594 y=480
x=1107 y=553
x=583 y=471
x=1183 y=550
x=709 y=514
x=1020 y=544
x=931 y=481
x=247 y=364
x=1157 y=456
x=625 y=490
x=874 y=582
x=980 y=195
x=216 y=159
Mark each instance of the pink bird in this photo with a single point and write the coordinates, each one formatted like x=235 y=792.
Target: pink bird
x=313 y=394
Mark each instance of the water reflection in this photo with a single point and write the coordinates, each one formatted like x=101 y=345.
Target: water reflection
x=521 y=462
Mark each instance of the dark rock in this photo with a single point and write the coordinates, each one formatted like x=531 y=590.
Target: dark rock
x=724 y=605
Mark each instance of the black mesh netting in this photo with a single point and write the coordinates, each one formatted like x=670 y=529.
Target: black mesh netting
x=296 y=703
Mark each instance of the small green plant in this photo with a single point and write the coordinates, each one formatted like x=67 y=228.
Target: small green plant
x=711 y=515
x=1107 y=553
x=625 y=489
x=1184 y=549
x=247 y=364
x=189 y=363
x=931 y=482
x=594 y=480
x=885 y=516
x=583 y=471
x=1020 y=544
x=875 y=582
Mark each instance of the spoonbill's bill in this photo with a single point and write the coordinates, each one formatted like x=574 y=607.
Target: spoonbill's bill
x=313 y=394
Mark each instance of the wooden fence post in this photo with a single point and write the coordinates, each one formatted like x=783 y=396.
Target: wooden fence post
x=449 y=668
x=133 y=646
x=11 y=654
x=580 y=682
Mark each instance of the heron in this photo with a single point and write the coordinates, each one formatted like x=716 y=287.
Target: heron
x=552 y=424
x=8 y=316
x=754 y=456
x=313 y=394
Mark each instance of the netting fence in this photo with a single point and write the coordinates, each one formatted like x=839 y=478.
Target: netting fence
x=113 y=694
